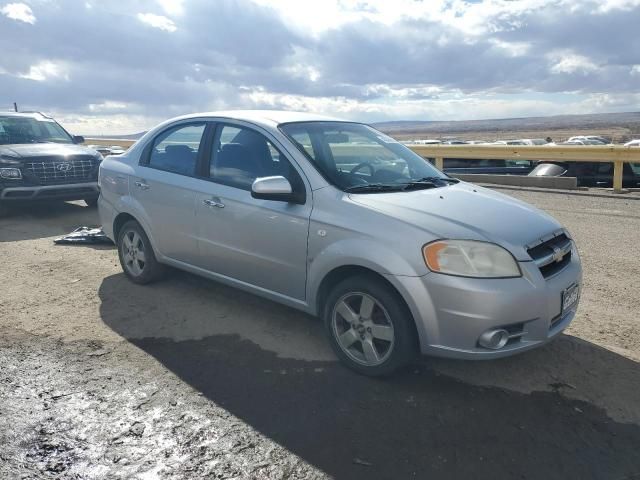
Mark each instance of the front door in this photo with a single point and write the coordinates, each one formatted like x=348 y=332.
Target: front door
x=262 y=243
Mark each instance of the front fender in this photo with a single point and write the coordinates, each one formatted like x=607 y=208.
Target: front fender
x=366 y=253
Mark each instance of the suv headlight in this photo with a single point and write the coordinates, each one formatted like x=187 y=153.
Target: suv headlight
x=470 y=258
x=10 y=173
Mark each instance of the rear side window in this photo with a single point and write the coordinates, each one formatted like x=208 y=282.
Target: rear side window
x=176 y=150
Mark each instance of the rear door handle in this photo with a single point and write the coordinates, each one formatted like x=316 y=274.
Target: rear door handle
x=142 y=185
x=213 y=203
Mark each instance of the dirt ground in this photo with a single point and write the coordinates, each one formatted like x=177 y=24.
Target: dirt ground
x=186 y=378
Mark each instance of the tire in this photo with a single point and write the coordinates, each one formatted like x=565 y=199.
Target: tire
x=380 y=336
x=91 y=202
x=136 y=254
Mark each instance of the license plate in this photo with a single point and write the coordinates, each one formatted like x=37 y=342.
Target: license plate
x=570 y=297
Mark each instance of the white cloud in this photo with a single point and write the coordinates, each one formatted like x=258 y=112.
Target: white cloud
x=172 y=7
x=512 y=49
x=158 y=21
x=107 y=106
x=19 y=11
x=635 y=70
x=569 y=62
x=46 y=70
x=607 y=5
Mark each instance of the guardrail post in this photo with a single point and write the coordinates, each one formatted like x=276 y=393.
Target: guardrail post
x=440 y=163
x=617 y=176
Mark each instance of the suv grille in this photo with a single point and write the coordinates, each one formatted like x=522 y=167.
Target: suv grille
x=553 y=255
x=55 y=171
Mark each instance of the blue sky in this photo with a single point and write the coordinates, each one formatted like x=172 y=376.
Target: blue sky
x=120 y=66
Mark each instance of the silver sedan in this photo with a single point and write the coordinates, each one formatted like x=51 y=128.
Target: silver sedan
x=341 y=221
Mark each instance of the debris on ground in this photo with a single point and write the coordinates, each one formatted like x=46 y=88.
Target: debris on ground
x=84 y=235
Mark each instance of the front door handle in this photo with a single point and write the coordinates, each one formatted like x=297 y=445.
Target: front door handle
x=142 y=185
x=213 y=203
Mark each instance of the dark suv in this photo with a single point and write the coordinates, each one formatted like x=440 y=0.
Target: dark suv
x=40 y=160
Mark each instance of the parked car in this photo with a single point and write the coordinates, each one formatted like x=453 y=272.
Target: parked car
x=40 y=160
x=590 y=139
x=102 y=149
x=117 y=150
x=509 y=142
x=341 y=221
x=424 y=142
x=487 y=166
x=582 y=141
x=633 y=143
x=534 y=141
x=589 y=174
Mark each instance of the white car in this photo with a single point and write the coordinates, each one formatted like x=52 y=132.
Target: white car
x=534 y=141
x=589 y=140
x=633 y=143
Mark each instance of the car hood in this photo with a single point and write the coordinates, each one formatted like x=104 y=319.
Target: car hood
x=43 y=150
x=466 y=211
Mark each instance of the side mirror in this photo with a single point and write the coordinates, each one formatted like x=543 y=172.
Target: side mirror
x=78 y=139
x=272 y=188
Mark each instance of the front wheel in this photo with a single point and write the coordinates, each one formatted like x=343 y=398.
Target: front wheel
x=370 y=327
x=136 y=254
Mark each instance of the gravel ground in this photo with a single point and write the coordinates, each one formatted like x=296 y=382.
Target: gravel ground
x=100 y=378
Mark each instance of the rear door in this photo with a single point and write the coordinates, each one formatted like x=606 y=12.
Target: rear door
x=165 y=188
x=262 y=243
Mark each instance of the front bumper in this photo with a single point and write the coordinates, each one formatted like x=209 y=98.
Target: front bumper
x=452 y=312
x=73 y=191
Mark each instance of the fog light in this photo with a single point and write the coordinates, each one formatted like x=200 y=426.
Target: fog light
x=10 y=173
x=494 y=339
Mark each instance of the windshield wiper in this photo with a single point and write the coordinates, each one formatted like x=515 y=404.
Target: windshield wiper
x=373 y=187
x=434 y=179
x=428 y=182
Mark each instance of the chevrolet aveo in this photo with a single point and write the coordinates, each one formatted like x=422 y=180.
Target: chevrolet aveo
x=339 y=220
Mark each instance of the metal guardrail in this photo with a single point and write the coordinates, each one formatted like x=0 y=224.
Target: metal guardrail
x=616 y=154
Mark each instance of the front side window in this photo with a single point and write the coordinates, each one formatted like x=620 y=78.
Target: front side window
x=240 y=155
x=20 y=130
x=356 y=157
x=176 y=150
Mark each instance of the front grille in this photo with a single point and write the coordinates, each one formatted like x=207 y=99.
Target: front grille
x=56 y=171
x=553 y=255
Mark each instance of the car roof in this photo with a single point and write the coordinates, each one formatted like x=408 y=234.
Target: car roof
x=265 y=117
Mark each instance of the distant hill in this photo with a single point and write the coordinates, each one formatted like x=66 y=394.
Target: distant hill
x=629 y=121
x=617 y=126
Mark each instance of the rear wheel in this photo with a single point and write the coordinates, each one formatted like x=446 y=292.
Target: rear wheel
x=370 y=327
x=136 y=254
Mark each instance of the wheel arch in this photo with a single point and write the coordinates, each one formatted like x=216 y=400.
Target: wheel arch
x=343 y=272
x=120 y=220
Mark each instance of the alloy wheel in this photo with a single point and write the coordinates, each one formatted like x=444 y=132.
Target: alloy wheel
x=363 y=329
x=133 y=253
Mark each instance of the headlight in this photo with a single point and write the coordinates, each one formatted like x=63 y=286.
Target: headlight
x=10 y=173
x=470 y=258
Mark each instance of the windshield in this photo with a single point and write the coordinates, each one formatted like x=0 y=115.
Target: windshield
x=356 y=157
x=15 y=130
